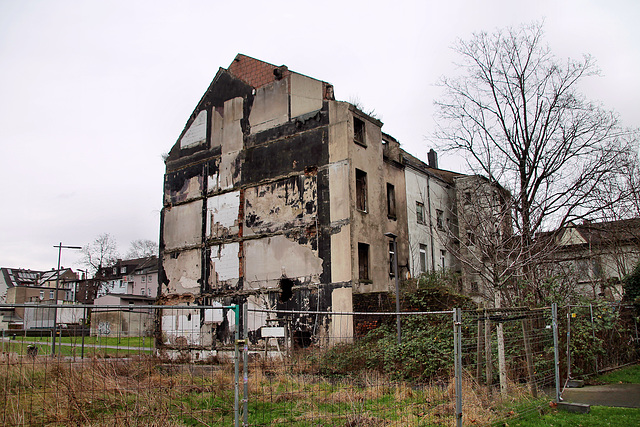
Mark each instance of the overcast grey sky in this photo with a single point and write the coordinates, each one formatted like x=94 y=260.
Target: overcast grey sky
x=92 y=93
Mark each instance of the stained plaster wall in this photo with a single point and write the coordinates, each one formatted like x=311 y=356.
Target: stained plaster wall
x=242 y=208
x=369 y=226
x=435 y=195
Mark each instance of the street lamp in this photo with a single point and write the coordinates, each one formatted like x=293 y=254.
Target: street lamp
x=55 y=307
x=395 y=274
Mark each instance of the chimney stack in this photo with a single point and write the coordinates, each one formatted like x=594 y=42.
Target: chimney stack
x=433 y=159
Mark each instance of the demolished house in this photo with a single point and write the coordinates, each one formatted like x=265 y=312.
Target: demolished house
x=277 y=195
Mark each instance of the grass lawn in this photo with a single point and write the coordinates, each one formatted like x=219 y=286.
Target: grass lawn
x=72 y=346
x=629 y=375
x=599 y=415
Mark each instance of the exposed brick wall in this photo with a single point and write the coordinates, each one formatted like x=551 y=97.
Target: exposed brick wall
x=382 y=302
x=253 y=71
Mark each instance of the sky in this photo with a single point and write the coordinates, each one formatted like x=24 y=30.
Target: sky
x=93 y=93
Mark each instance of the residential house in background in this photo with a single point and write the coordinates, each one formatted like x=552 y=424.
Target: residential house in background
x=595 y=256
x=125 y=277
x=130 y=284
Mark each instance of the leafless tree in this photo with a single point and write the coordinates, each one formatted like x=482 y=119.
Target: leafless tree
x=102 y=252
x=142 y=248
x=516 y=115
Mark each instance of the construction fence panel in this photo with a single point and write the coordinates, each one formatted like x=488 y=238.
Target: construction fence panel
x=319 y=368
x=117 y=365
x=598 y=338
x=508 y=363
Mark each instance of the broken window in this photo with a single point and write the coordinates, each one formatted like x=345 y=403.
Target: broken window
x=286 y=289
x=420 y=212
x=363 y=261
x=474 y=287
x=467 y=197
x=359 y=131
x=391 y=201
x=423 y=258
x=439 y=219
x=361 y=190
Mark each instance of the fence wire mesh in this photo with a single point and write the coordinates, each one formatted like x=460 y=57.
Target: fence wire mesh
x=215 y=365
x=117 y=371
x=310 y=369
x=508 y=357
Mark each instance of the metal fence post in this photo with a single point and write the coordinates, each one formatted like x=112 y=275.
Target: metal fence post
x=556 y=350
x=236 y=361
x=245 y=364
x=457 y=350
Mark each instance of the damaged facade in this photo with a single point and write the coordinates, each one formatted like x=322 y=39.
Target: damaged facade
x=277 y=195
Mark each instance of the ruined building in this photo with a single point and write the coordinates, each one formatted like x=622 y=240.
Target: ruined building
x=278 y=195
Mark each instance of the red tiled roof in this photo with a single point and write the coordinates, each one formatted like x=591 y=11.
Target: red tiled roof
x=253 y=71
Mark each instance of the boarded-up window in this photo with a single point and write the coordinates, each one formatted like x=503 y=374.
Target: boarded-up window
x=361 y=190
x=391 y=201
x=420 y=213
x=359 y=131
x=363 y=261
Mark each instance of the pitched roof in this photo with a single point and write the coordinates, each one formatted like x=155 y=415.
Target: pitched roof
x=255 y=72
x=416 y=163
x=597 y=233
x=19 y=277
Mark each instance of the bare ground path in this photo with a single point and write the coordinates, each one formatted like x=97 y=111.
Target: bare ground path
x=619 y=395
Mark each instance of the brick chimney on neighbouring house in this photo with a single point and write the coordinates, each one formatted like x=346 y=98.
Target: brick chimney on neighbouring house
x=432 y=159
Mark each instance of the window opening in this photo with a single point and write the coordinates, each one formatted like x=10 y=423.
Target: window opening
x=286 y=289
x=361 y=190
x=391 y=201
x=420 y=212
x=359 y=131
x=363 y=261
x=439 y=219
x=423 y=258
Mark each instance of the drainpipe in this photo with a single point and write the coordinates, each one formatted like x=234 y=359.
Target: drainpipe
x=433 y=257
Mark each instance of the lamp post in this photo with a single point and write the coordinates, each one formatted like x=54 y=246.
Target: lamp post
x=55 y=307
x=395 y=274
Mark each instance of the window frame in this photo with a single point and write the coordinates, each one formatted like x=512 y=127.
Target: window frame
x=361 y=191
x=420 y=217
x=391 y=201
x=359 y=131
x=364 y=274
x=439 y=219
x=422 y=258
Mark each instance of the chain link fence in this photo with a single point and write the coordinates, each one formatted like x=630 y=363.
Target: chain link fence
x=235 y=365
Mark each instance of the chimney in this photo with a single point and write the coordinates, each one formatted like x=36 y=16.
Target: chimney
x=433 y=159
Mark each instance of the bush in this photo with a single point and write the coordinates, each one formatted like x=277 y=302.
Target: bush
x=426 y=350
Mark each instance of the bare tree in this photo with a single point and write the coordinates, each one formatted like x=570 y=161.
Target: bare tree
x=142 y=248
x=516 y=114
x=102 y=252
